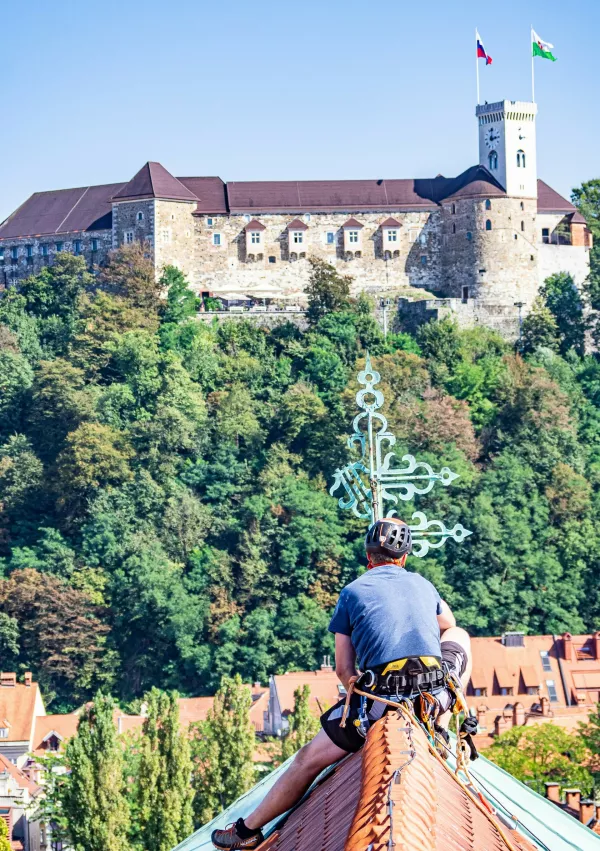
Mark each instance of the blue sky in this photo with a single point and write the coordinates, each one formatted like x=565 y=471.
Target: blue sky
x=281 y=90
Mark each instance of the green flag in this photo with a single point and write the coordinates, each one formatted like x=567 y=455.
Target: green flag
x=541 y=48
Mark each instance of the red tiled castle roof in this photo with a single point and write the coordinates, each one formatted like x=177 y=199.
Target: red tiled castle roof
x=154 y=181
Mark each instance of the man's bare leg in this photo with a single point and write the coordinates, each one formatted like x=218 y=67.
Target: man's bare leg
x=291 y=786
x=460 y=636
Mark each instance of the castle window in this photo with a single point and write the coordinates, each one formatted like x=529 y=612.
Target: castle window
x=128 y=237
x=493 y=160
x=297 y=237
x=522 y=205
x=216 y=238
x=307 y=217
x=469 y=235
x=247 y=217
x=453 y=209
x=94 y=245
x=479 y=692
x=392 y=236
x=330 y=237
x=465 y=293
x=488 y=224
x=29 y=251
x=59 y=246
x=488 y=204
x=255 y=238
x=272 y=259
x=413 y=235
x=166 y=234
x=423 y=260
x=209 y=222
x=1 y=257
x=520 y=159
x=506 y=691
x=140 y=216
x=522 y=225
x=546 y=235
x=44 y=250
x=14 y=253
x=453 y=228
x=77 y=246
x=353 y=236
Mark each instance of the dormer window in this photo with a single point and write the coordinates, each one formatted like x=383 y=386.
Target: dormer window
x=297 y=237
x=520 y=159
x=353 y=236
x=255 y=238
x=390 y=230
x=493 y=161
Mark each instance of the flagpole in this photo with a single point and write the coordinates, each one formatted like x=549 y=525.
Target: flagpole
x=532 y=58
x=477 y=63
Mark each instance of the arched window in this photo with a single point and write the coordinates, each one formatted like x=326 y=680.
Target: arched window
x=520 y=159
x=488 y=204
x=140 y=216
x=493 y=160
x=522 y=225
x=488 y=224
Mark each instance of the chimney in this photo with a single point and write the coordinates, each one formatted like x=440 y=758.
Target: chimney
x=518 y=715
x=597 y=645
x=326 y=666
x=8 y=679
x=586 y=811
x=572 y=798
x=553 y=792
x=28 y=678
x=545 y=704
x=568 y=653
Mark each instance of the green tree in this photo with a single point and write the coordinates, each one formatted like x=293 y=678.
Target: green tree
x=540 y=329
x=303 y=726
x=130 y=273
x=4 y=843
x=94 y=796
x=182 y=302
x=165 y=772
x=327 y=290
x=56 y=289
x=222 y=749
x=563 y=299
x=544 y=753
x=16 y=377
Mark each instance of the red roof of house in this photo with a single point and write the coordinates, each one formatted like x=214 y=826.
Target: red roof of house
x=549 y=201
x=18 y=708
x=391 y=223
x=65 y=726
x=255 y=225
x=352 y=223
x=154 y=181
x=22 y=780
x=324 y=689
x=359 y=806
x=297 y=224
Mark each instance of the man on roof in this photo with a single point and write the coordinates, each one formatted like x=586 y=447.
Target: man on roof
x=406 y=640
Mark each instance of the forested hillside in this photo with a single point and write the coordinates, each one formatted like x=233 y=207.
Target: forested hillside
x=164 y=507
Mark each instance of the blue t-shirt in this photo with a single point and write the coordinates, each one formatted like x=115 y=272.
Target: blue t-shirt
x=389 y=613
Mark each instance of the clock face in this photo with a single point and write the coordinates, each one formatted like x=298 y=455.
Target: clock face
x=492 y=137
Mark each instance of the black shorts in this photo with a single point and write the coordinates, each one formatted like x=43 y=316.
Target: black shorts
x=349 y=738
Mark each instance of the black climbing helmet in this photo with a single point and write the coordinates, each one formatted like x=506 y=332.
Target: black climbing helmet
x=389 y=537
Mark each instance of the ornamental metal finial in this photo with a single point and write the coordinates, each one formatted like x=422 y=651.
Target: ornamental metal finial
x=373 y=481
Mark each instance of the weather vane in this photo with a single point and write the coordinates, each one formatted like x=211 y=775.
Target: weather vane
x=373 y=481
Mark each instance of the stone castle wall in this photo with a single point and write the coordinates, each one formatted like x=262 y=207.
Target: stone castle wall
x=229 y=266
x=34 y=253
x=126 y=220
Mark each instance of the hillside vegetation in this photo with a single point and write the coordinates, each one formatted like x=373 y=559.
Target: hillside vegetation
x=164 y=509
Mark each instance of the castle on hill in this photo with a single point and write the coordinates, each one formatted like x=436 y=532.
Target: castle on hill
x=482 y=242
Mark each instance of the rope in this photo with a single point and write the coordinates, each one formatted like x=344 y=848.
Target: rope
x=410 y=716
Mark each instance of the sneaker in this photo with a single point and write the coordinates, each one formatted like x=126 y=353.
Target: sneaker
x=236 y=837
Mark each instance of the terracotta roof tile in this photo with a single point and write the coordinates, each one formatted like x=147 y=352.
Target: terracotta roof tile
x=64 y=725
x=255 y=225
x=391 y=223
x=352 y=223
x=549 y=201
x=365 y=804
x=324 y=689
x=21 y=778
x=297 y=224
x=19 y=705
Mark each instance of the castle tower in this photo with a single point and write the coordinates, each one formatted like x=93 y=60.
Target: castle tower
x=507 y=146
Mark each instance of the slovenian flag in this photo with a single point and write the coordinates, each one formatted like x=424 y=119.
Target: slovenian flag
x=541 y=48
x=481 y=54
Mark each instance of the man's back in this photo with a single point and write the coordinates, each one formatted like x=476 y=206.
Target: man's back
x=389 y=614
